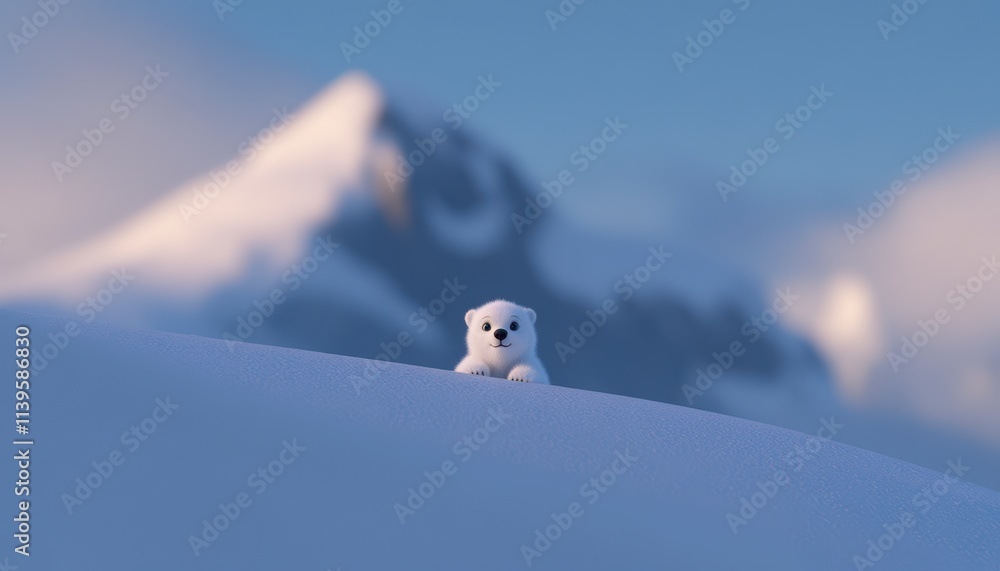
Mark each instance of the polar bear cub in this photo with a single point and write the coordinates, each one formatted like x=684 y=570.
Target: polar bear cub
x=502 y=343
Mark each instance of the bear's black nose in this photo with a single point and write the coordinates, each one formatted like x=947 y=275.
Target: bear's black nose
x=500 y=334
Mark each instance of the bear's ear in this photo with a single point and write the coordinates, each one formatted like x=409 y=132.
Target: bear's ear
x=531 y=315
x=469 y=315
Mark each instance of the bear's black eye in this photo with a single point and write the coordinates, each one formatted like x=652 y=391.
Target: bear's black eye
x=486 y=327
x=513 y=326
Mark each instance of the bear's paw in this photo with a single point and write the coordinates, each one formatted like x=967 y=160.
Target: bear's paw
x=476 y=369
x=522 y=374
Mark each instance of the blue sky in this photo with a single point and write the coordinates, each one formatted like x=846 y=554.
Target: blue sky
x=610 y=59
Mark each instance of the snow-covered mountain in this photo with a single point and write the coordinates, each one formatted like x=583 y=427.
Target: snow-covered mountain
x=209 y=232
x=396 y=242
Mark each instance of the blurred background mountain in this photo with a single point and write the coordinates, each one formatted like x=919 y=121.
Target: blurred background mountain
x=327 y=124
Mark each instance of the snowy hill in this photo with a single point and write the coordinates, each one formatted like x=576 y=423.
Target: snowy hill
x=164 y=451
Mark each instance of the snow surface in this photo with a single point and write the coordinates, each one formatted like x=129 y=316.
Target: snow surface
x=366 y=444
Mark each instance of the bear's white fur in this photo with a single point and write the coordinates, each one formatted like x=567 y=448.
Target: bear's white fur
x=502 y=342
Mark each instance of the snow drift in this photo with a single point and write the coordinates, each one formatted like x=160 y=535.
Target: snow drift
x=164 y=451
